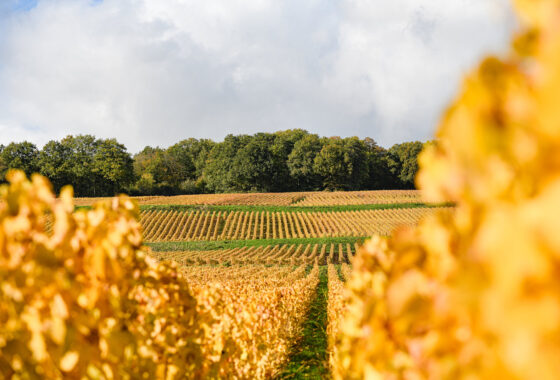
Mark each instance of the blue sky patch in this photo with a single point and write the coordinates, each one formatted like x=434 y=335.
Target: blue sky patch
x=27 y=5
x=24 y=5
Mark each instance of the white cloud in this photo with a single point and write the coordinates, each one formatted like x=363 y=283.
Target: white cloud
x=409 y=57
x=153 y=71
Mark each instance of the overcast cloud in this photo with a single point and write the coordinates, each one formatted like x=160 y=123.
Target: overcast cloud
x=152 y=72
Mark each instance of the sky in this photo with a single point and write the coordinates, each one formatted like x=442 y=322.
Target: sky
x=153 y=72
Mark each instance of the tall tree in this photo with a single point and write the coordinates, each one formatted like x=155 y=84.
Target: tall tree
x=55 y=162
x=84 y=180
x=23 y=155
x=181 y=154
x=253 y=167
x=330 y=165
x=379 y=175
x=301 y=160
x=342 y=164
x=403 y=162
x=113 y=164
x=219 y=170
x=157 y=171
x=192 y=155
x=355 y=159
x=283 y=145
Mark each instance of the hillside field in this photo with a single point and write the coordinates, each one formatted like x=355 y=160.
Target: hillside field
x=271 y=267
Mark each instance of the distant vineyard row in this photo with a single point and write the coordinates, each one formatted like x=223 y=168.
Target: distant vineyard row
x=245 y=225
x=294 y=254
x=279 y=199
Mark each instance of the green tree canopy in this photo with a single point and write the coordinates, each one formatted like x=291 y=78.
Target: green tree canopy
x=301 y=160
x=283 y=145
x=191 y=156
x=379 y=175
x=56 y=163
x=291 y=160
x=113 y=164
x=342 y=164
x=330 y=165
x=162 y=169
x=23 y=155
x=403 y=162
x=253 y=166
x=219 y=172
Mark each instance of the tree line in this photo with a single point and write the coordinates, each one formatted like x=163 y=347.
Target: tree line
x=292 y=160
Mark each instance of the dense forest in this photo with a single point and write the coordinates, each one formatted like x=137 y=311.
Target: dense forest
x=292 y=160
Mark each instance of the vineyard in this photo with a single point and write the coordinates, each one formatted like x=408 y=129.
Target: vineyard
x=256 y=305
x=246 y=225
x=247 y=279
x=279 y=199
x=286 y=254
x=469 y=291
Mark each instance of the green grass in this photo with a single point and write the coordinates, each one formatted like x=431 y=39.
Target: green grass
x=339 y=272
x=226 y=244
x=78 y=208
x=309 y=358
x=231 y=208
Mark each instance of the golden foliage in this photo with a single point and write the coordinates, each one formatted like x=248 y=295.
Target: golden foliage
x=84 y=300
x=257 y=316
x=335 y=309
x=475 y=294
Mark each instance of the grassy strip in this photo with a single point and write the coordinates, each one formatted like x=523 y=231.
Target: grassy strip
x=339 y=272
x=231 y=208
x=308 y=359
x=226 y=244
